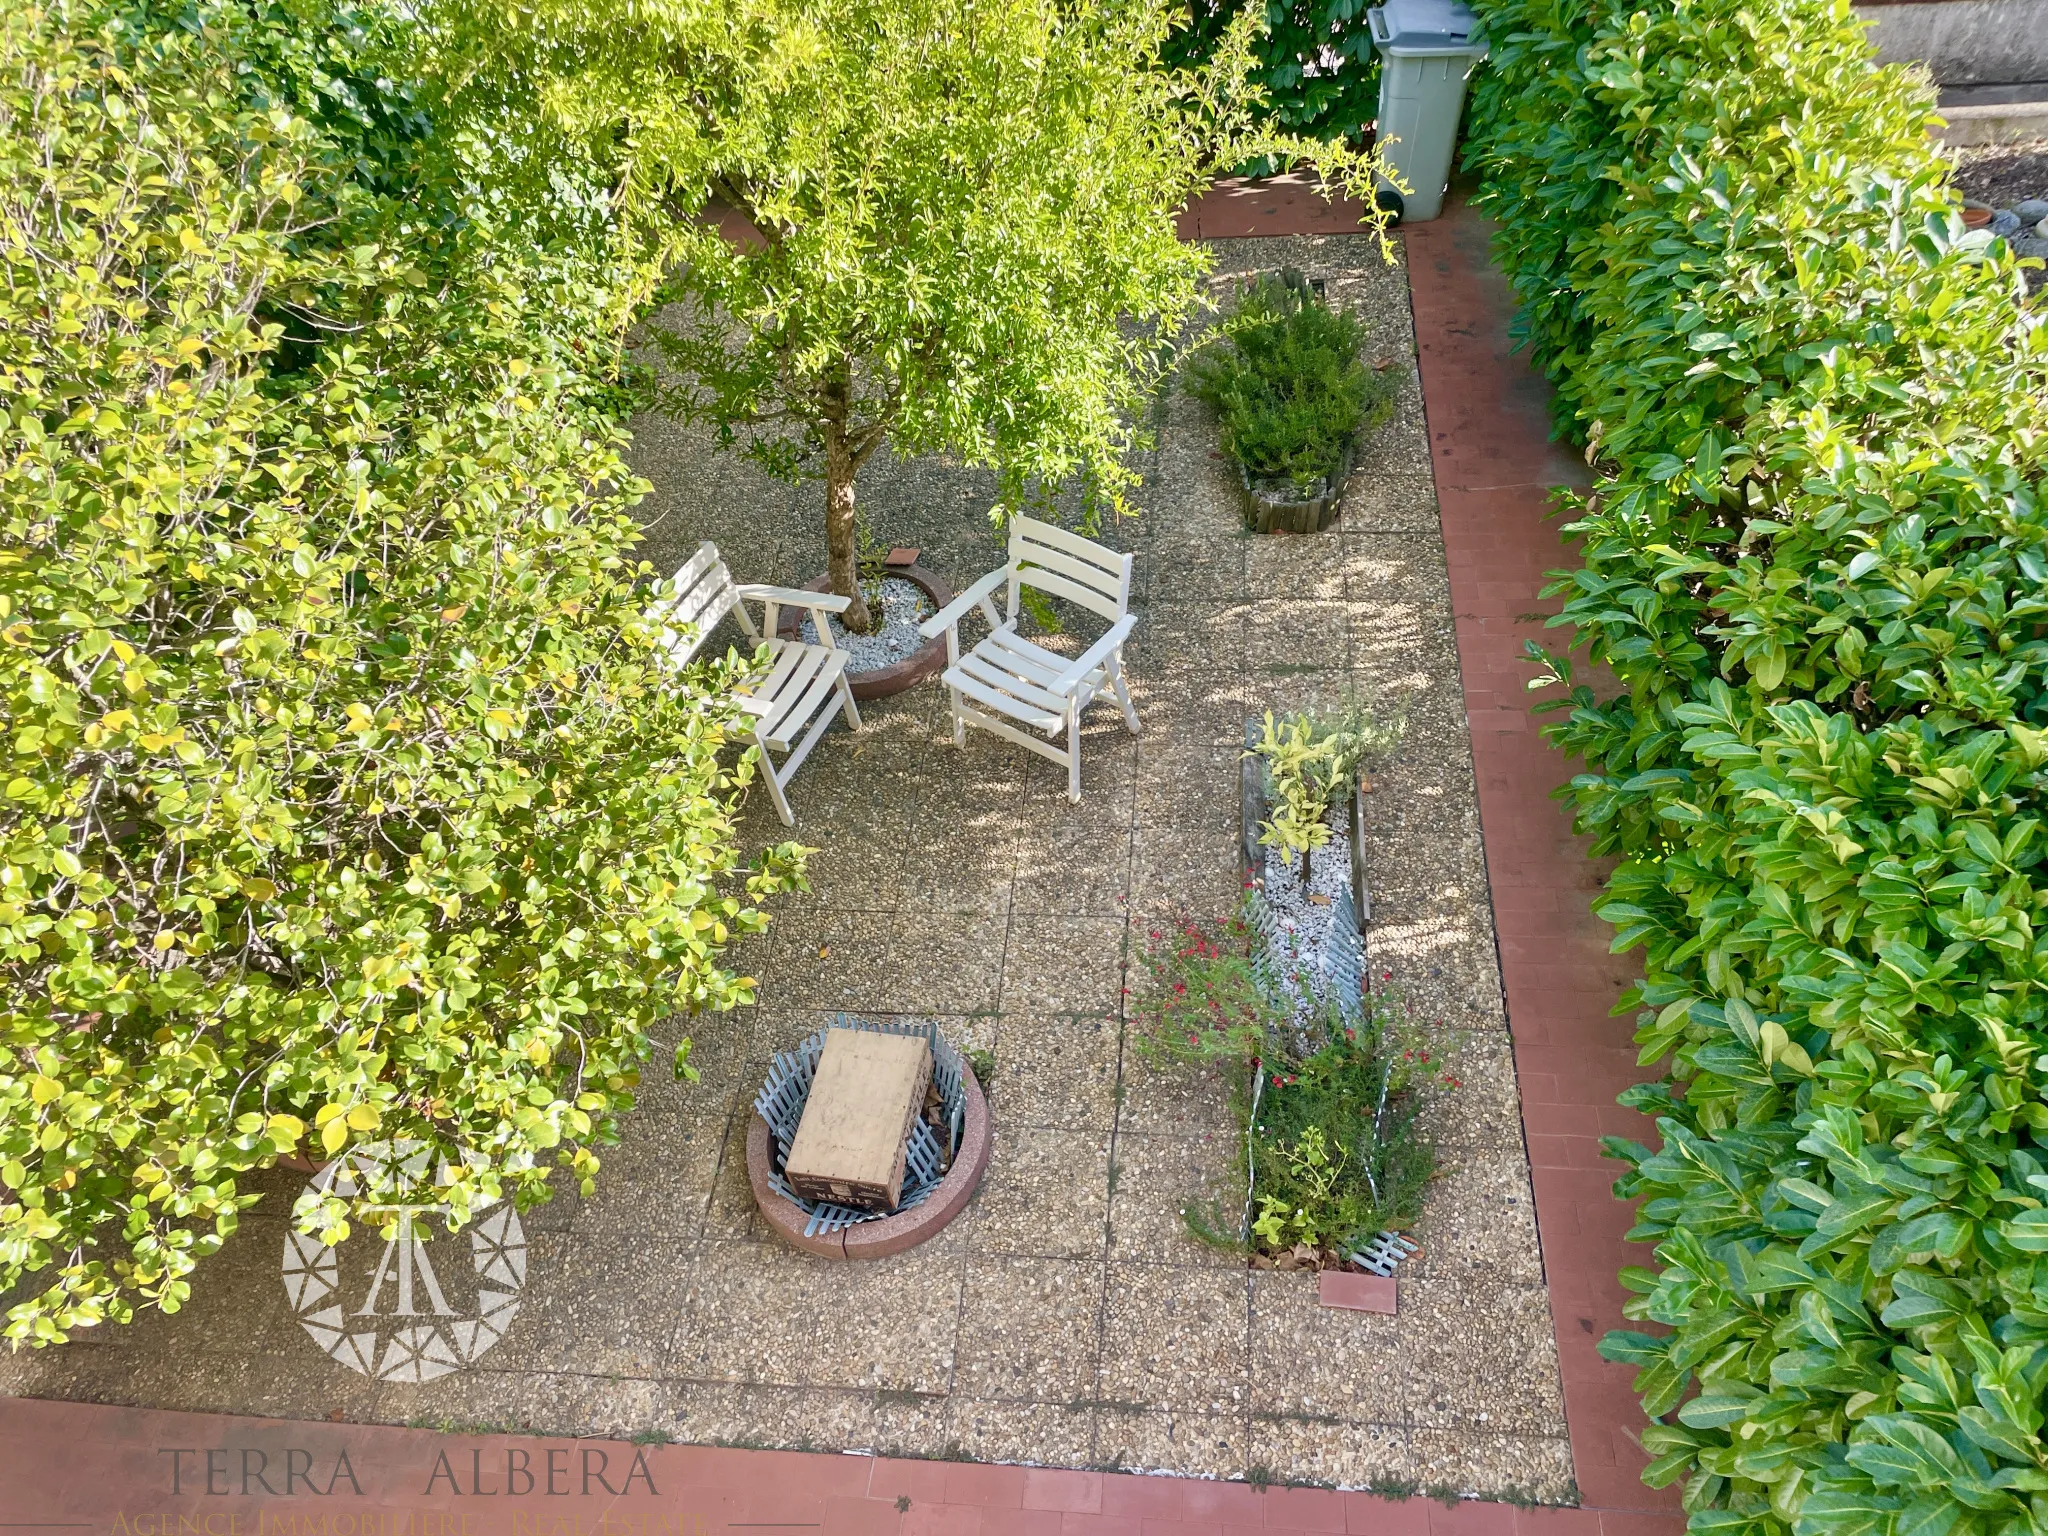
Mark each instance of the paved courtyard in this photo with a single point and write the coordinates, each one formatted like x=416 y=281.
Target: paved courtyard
x=1066 y=1319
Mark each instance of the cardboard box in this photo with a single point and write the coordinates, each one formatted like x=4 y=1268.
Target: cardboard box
x=855 y=1133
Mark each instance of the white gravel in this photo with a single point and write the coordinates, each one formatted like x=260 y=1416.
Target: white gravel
x=904 y=607
x=1307 y=922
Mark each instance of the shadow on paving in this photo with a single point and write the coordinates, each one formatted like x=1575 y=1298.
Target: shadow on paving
x=1066 y=1319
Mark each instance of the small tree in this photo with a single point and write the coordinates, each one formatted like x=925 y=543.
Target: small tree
x=958 y=217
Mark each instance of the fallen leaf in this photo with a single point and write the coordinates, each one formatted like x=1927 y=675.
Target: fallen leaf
x=1316 y=899
x=824 y=951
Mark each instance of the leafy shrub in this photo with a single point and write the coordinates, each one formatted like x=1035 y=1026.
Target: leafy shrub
x=1287 y=380
x=1312 y=760
x=344 y=796
x=1337 y=1153
x=1317 y=66
x=1327 y=1103
x=1815 y=561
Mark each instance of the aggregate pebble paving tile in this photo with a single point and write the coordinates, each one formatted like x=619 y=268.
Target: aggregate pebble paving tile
x=1067 y=1318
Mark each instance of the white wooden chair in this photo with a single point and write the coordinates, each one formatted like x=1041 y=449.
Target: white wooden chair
x=792 y=705
x=1008 y=679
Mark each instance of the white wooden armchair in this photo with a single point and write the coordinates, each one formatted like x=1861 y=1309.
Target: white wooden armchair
x=792 y=705
x=1008 y=679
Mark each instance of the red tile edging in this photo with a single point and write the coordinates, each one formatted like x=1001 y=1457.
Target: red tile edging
x=138 y=1472
x=1489 y=431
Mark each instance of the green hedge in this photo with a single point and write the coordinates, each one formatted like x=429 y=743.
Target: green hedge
x=1299 y=35
x=347 y=798
x=1816 y=560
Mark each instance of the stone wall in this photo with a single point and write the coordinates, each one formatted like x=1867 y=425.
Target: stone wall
x=1965 y=42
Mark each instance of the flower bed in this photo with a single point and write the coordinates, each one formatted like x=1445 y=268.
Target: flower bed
x=1325 y=1094
x=1292 y=392
x=1814 y=560
x=1324 y=1073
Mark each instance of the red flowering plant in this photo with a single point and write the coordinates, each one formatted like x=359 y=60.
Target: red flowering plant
x=1201 y=1000
x=1328 y=1100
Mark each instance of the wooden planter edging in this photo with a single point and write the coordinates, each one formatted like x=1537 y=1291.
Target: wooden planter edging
x=928 y=660
x=1276 y=512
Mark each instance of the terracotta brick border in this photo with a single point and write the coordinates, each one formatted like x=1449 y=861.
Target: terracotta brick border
x=139 y=1472
x=136 y=1472
x=1495 y=465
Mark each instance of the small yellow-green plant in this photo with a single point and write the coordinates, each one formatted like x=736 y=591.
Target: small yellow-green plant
x=1283 y=1221
x=1295 y=767
x=1312 y=762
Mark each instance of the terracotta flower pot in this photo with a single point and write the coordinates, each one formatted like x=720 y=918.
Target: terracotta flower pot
x=928 y=660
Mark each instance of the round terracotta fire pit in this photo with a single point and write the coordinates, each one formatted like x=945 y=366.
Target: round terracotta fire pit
x=928 y=660
x=874 y=1237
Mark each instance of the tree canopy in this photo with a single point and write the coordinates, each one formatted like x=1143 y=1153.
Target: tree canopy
x=948 y=224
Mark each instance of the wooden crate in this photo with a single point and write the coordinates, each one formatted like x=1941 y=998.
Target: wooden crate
x=850 y=1144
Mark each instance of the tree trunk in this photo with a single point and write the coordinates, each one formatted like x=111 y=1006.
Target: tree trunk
x=840 y=473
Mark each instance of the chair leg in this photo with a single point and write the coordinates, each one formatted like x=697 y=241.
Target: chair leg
x=959 y=722
x=1073 y=752
x=775 y=791
x=846 y=704
x=1123 y=691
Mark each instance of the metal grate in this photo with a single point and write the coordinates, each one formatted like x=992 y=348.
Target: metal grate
x=1338 y=978
x=1384 y=1253
x=788 y=1088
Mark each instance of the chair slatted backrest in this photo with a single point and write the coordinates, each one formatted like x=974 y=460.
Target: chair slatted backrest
x=1063 y=564
x=690 y=603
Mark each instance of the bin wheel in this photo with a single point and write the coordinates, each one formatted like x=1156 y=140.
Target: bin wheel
x=1390 y=202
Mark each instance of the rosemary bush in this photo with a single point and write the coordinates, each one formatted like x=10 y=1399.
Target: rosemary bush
x=1289 y=383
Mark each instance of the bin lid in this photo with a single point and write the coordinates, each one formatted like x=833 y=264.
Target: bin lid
x=1436 y=26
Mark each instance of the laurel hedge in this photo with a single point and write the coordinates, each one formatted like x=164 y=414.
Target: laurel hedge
x=1815 y=561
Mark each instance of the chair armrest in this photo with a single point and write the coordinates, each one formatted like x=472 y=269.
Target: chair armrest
x=950 y=615
x=1094 y=656
x=774 y=599
x=793 y=597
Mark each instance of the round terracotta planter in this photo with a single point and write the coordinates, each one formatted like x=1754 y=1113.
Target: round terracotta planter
x=890 y=1234
x=928 y=660
x=1976 y=216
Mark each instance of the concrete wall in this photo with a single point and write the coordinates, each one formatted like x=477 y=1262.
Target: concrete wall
x=1965 y=42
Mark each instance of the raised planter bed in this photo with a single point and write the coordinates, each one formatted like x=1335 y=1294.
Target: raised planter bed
x=1273 y=506
x=834 y=1233
x=928 y=660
